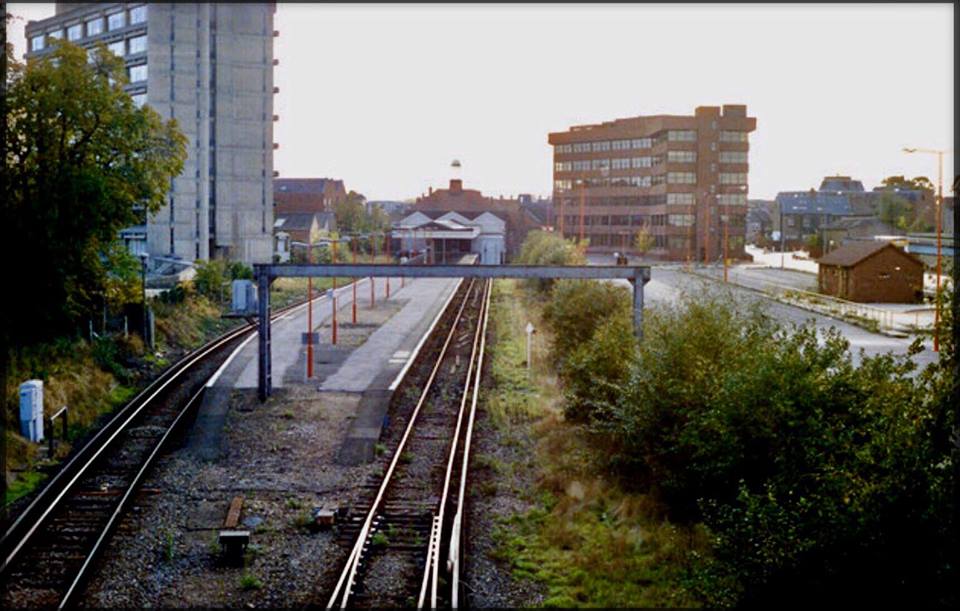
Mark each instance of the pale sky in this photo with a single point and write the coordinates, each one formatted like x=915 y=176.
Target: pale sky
x=386 y=96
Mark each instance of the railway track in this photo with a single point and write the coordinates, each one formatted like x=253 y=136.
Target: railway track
x=49 y=549
x=405 y=543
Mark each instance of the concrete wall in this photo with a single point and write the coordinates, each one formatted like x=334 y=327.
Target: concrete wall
x=223 y=102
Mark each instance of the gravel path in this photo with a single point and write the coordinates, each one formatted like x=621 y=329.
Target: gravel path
x=280 y=458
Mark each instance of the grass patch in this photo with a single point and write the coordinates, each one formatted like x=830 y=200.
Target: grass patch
x=25 y=483
x=249 y=581
x=585 y=540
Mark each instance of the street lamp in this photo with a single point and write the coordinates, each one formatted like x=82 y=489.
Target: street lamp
x=939 y=213
x=143 y=284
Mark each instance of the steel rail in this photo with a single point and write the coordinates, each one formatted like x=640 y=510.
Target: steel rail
x=106 y=531
x=431 y=570
x=345 y=583
x=453 y=558
x=85 y=458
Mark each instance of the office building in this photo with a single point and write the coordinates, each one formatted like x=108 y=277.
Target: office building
x=210 y=67
x=682 y=178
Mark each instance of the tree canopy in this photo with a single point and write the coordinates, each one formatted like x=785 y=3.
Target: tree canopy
x=82 y=162
x=921 y=183
x=353 y=217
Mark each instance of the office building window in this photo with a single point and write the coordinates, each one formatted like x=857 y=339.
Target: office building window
x=116 y=21
x=601 y=164
x=620 y=145
x=564 y=148
x=731 y=136
x=36 y=43
x=679 y=199
x=581 y=147
x=641 y=143
x=732 y=178
x=139 y=99
x=562 y=166
x=582 y=165
x=681 y=156
x=733 y=157
x=94 y=26
x=641 y=162
x=620 y=164
x=562 y=185
x=75 y=32
x=58 y=34
x=732 y=199
x=116 y=48
x=601 y=147
x=682 y=178
x=138 y=14
x=680 y=220
x=138 y=73
x=682 y=135
x=138 y=44
x=640 y=181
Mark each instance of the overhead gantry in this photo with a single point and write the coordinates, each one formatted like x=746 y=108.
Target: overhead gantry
x=638 y=276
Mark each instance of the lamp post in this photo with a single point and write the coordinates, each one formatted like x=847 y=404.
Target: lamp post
x=143 y=293
x=939 y=212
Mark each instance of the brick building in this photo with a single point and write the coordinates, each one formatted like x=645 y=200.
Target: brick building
x=871 y=271
x=471 y=203
x=305 y=195
x=683 y=178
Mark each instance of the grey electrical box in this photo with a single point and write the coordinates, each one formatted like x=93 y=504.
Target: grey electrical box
x=31 y=410
x=244 y=297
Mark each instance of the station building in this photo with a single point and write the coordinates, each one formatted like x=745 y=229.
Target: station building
x=450 y=235
x=210 y=67
x=471 y=203
x=682 y=178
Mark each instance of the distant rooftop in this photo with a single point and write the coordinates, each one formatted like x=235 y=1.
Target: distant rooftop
x=303 y=185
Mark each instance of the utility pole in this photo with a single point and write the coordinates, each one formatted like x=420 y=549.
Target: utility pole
x=583 y=186
x=939 y=212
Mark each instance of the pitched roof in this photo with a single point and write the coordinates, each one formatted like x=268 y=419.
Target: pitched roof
x=294 y=221
x=852 y=222
x=813 y=202
x=852 y=253
x=302 y=185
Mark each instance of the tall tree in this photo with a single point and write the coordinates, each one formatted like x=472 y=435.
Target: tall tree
x=350 y=213
x=82 y=162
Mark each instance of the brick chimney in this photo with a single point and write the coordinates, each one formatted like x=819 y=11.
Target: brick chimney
x=456 y=185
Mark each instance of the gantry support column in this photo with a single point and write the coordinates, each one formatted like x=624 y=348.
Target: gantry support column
x=264 y=378
x=641 y=276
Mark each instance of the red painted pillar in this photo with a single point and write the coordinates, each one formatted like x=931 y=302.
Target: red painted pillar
x=353 y=244
x=333 y=301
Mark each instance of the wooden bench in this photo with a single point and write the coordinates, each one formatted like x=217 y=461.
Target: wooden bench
x=233 y=539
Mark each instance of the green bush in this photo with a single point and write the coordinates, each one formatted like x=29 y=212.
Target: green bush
x=596 y=369
x=577 y=308
x=546 y=248
x=819 y=480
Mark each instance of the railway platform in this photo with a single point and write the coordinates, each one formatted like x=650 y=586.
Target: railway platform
x=365 y=364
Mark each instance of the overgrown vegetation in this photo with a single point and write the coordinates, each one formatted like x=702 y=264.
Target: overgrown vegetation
x=586 y=539
x=783 y=471
x=546 y=248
